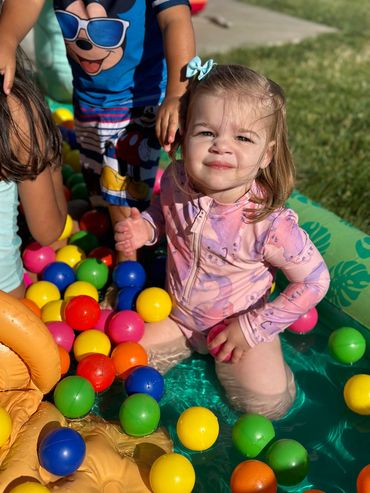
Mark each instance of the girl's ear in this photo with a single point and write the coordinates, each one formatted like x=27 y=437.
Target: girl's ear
x=268 y=155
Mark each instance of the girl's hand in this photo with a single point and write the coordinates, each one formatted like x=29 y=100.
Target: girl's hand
x=7 y=65
x=232 y=340
x=167 y=122
x=132 y=233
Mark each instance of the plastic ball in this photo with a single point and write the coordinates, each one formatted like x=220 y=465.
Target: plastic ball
x=70 y=254
x=105 y=315
x=67 y=169
x=93 y=271
x=61 y=115
x=90 y=342
x=172 y=473
x=74 y=179
x=197 y=428
x=128 y=355
x=82 y=312
x=5 y=426
x=27 y=279
x=211 y=335
x=289 y=461
x=74 y=396
x=77 y=207
x=62 y=334
x=347 y=345
x=52 y=311
x=139 y=415
x=129 y=274
x=305 y=323
x=98 y=369
x=357 y=394
x=73 y=159
x=30 y=487
x=65 y=360
x=84 y=240
x=125 y=325
x=68 y=228
x=126 y=298
x=251 y=434
x=81 y=288
x=253 y=476
x=36 y=257
x=197 y=6
x=145 y=380
x=41 y=292
x=96 y=221
x=154 y=304
x=62 y=451
x=60 y=274
x=80 y=191
x=157 y=181
x=32 y=306
x=105 y=254
x=363 y=480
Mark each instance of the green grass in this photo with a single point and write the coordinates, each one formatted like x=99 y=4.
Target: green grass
x=327 y=83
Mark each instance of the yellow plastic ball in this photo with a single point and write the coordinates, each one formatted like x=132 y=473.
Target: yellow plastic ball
x=73 y=159
x=273 y=287
x=42 y=292
x=81 y=287
x=30 y=487
x=357 y=394
x=172 y=473
x=197 y=428
x=153 y=304
x=70 y=254
x=66 y=148
x=68 y=227
x=53 y=311
x=5 y=426
x=90 y=342
x=61 y=115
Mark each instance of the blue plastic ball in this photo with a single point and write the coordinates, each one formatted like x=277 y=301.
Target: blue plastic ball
x=145 y=380
x=126 y=298
x=60 y=274
x=62 y=451
x=129 y=274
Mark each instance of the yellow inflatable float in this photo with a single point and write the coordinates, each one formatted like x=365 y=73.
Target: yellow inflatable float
x=29 y=369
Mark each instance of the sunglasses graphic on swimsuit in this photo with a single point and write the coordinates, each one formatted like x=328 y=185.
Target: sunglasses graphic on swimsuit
x=103 y=32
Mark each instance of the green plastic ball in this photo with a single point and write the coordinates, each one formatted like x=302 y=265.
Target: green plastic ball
x=74 y=396
x=94 y=271
x=251 y=434
x=139 y=415
x=85 y=240
x=347 y=345
x=289 y=461
x=79 y=191
x=74 y=179
x=67 y=172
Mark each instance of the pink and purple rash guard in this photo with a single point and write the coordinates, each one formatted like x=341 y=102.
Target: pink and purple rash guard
x=220 y=265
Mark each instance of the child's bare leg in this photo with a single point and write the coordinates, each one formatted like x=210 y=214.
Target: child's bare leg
x=117 y=213
x=261 y=382
x=165 y=344
x=18 y=292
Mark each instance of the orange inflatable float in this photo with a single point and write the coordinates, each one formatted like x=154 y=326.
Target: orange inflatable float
x=30 y=368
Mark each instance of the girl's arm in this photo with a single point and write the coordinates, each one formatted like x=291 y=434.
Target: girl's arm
x=289 y=248
x=179 y=48
x=16 y=20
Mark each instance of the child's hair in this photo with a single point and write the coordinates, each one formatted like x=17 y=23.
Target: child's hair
x=42 y=141
x=236 y=81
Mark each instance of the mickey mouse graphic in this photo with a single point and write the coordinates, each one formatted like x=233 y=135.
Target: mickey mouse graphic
x=93 y=40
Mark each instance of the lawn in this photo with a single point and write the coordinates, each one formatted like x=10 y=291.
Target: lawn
x=327 y=83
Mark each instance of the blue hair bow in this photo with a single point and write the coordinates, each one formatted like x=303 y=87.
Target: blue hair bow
x=195 y=67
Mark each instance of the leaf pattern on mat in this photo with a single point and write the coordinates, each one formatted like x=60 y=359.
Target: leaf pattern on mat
x=348 y=279
x=363 y=247
x=319 y=235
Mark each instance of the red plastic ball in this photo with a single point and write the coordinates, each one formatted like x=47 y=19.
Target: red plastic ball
x=96 y=222
x=98 y=369
x=363 y=480
x=105 y=254
x=82 y=312
x=125 y=325
x=197 y=6
x=305 y=323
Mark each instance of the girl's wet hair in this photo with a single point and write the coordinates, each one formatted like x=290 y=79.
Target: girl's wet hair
x=41 y=141
x=240 y=83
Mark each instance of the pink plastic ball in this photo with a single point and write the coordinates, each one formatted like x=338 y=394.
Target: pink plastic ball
x=305 y=323
x=27 y=279
x=36 y=257
x=105 y=315
x=211 y=335
x=62 y=333
x=125 y=326
x=157 y=182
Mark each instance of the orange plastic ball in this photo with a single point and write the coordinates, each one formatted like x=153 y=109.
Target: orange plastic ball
x=65 y=360
x=253 y=476
x=314 y=491
x=363 y=480
x=128 y=355
x=32 y=306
